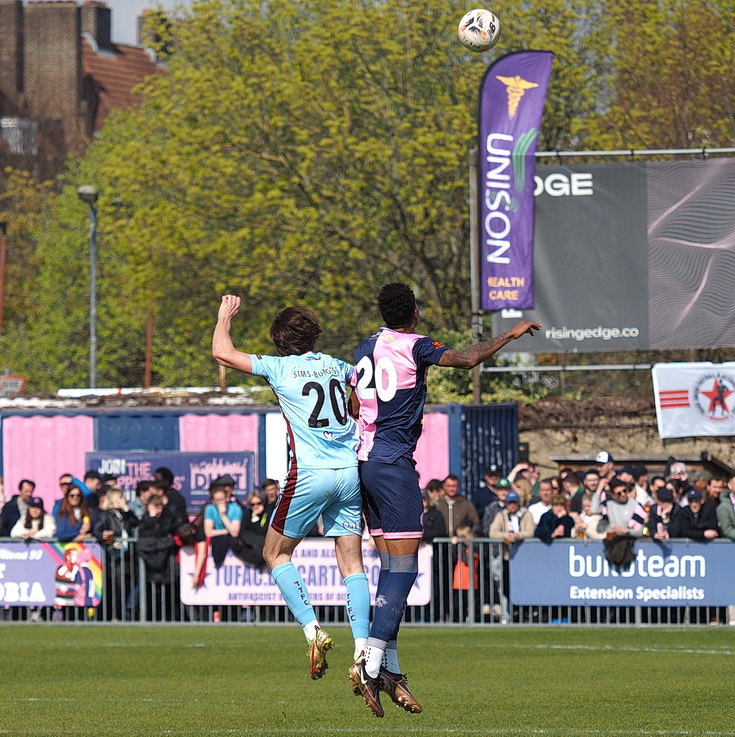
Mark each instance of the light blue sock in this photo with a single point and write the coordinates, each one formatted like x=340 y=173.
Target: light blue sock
x=293 y=589
x=358 y=605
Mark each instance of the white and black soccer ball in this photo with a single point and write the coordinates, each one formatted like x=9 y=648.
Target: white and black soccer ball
x=479 y=30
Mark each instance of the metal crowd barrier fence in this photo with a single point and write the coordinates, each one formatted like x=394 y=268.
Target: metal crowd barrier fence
x=469 y=587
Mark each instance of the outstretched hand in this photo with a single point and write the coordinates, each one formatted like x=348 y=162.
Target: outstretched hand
x=524 y=327
x=229 y=307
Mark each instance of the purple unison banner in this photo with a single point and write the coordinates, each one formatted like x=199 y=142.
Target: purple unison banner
x=512 y=97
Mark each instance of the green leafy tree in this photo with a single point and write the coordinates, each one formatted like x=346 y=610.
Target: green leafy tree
x=308 y=152
x=668 y=77
x=298 y=152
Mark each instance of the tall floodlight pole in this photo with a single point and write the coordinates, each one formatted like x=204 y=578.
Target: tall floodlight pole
x=89 y=194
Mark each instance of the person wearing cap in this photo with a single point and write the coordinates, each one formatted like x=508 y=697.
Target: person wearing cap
x=502 y=488
x=605 y=467
x=36 y=524
x=486 y=492
x=678 y=478
x=699 y=479
x=228 y=481
x=697 y=521
x=323 y=478
x=16 y=508
x=512 y=524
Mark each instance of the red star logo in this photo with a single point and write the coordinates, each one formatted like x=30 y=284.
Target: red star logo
x=717 y=396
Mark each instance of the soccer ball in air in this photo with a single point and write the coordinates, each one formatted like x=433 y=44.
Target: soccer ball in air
x=479 y=30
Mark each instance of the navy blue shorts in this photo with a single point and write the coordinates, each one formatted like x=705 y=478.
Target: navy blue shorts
x=392 y=499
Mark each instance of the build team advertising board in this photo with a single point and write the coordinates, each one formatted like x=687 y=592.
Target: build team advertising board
x=674 y=573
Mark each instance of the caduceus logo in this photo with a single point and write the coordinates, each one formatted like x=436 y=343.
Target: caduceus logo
x=713 y=396
x=515 y=87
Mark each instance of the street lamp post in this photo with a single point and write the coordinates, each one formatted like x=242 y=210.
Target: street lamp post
x=89 y=194
x=3 y=257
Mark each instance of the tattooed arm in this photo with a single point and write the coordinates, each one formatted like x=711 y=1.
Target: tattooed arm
x=476 y=354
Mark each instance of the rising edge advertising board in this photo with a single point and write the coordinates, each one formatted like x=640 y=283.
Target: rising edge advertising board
x=631 y=256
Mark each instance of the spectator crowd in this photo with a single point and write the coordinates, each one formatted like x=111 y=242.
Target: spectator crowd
x=598 y=503
x=613 y=504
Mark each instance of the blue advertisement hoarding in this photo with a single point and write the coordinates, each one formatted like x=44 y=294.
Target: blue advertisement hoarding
x=675 y=573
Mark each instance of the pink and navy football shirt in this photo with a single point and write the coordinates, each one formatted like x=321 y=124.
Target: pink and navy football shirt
x=390 y=377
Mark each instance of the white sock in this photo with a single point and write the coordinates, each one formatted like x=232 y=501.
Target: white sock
x=373 y=660
x=360 y=645
x=310 y=629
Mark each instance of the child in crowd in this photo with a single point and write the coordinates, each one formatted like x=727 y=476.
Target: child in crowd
x=557 y=523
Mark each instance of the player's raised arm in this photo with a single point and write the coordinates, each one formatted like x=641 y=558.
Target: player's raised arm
x=476 y=354
x=223 y=349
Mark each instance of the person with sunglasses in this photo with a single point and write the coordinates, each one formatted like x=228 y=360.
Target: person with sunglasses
x=74 y=518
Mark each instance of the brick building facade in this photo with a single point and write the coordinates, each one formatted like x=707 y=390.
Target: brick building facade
x=60 y=76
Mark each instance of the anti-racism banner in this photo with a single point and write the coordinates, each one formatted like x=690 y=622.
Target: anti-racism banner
x=512 y=97
x=674 y=573
x=235 y=582
x=631 y=256
x=50 y=574
x=694 y=399
x=193 y=472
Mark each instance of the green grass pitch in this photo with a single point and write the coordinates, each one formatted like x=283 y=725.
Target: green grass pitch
x=237 y=680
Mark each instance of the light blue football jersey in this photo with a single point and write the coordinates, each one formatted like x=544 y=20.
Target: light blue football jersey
x=311 y=390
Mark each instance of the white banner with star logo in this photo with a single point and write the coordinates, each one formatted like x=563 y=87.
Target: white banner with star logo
x=694 y=399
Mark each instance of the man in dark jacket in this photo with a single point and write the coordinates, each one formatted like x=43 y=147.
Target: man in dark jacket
x=17 y=506
x=697 y=521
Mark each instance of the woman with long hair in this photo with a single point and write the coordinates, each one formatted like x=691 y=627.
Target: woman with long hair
x=37 y=524
x=74 y=517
